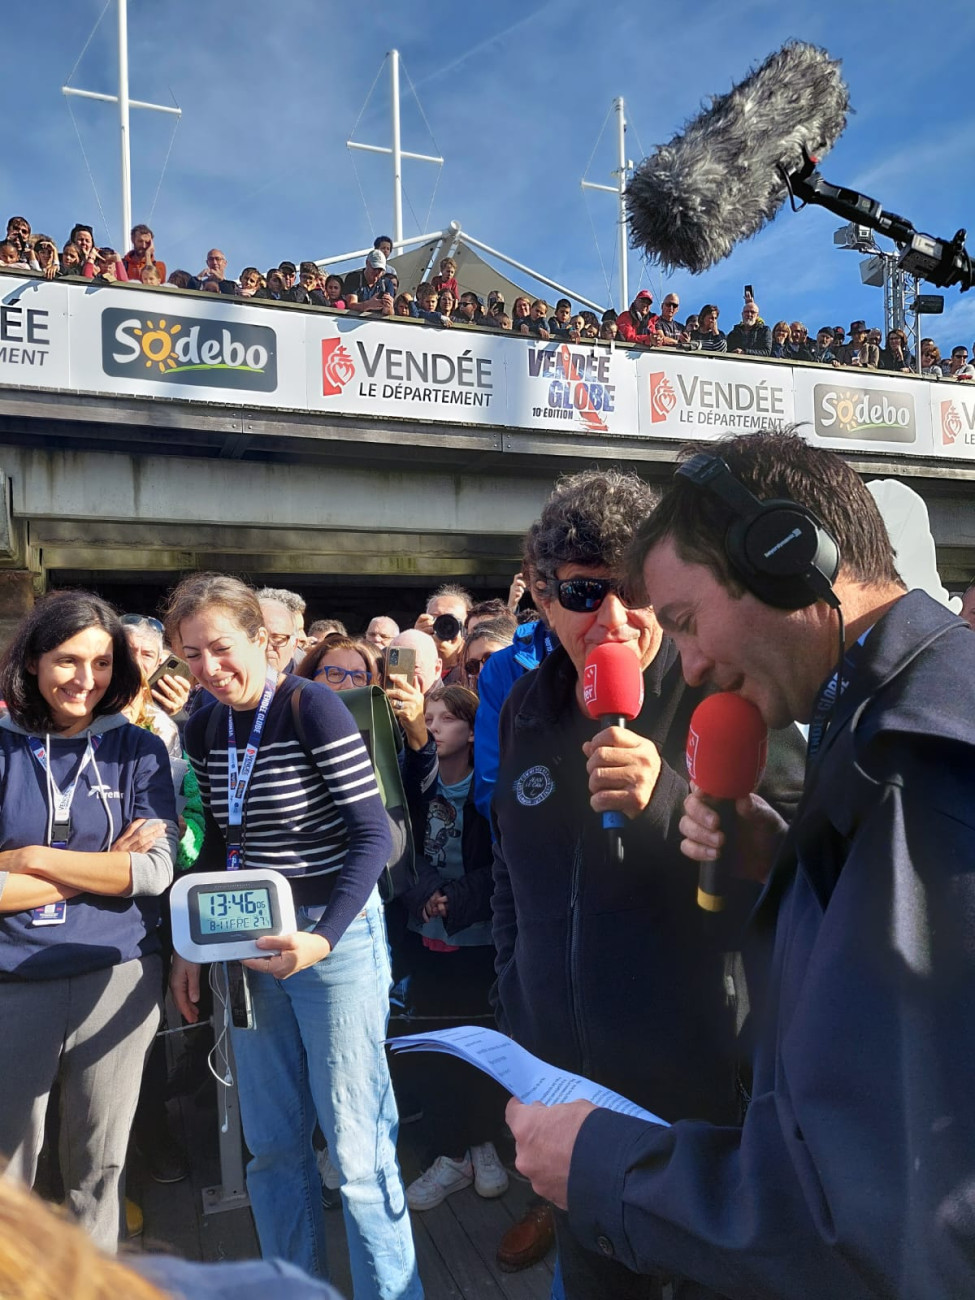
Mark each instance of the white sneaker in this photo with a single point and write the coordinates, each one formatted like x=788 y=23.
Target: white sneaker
x=442 y=1178
x=490 y=1175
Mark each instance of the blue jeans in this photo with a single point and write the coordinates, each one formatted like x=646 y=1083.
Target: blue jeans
x=316 y=1052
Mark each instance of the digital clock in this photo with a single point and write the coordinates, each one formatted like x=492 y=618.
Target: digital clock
x=218 y=915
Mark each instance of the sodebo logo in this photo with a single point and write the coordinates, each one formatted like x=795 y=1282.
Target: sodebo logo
x=869 y=414
x=189 y=350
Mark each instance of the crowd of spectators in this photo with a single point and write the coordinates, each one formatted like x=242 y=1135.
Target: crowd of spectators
x=374 y=288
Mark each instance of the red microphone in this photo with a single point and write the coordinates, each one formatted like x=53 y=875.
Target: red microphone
x=612 y=690
x=727 y=745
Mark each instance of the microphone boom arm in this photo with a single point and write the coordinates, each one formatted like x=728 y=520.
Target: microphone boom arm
x=937 y=261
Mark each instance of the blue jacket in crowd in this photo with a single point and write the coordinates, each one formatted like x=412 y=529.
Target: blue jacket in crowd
x=533 y=641
x=853 y=1174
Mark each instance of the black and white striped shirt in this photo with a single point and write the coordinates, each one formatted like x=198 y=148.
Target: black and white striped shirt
x=316 y=816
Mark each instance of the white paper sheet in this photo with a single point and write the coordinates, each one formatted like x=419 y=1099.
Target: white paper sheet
x=523 y=1075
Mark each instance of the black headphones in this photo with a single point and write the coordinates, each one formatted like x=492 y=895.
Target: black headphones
x=779 y=549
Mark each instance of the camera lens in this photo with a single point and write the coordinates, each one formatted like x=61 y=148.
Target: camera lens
x=445 y=627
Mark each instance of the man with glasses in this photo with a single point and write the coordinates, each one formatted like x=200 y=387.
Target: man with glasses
x=469 y=310
x=750 y=337
x=638 y=325
x=608 y=968
x=216 y=271
x=282 y=633
x=959 y=358
x=668 y=330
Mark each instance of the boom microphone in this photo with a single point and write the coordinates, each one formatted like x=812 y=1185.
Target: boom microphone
x=724 y=177
x=727 y=745
x=612 y=689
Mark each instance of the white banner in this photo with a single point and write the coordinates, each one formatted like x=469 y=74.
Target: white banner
x=865 y=409
x=688 y=395
x=582 y=388
x=953 y=419
x=359 y=366
x=102 y=338
x=33 y=333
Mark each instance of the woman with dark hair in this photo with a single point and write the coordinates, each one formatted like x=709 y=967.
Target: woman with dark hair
x=341 y=662
x=307 y=805
x=88 y=835
x=708 y=337
x=333 y=293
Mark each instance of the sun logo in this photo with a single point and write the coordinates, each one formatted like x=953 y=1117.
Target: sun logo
x=846 y=412
x=157 y=344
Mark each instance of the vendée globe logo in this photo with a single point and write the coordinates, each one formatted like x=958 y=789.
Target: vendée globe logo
x=189 y=350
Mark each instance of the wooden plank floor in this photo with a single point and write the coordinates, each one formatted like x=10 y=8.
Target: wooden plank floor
x=455 y=1243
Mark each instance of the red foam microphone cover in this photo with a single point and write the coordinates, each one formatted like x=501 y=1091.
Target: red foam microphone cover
x=727 y=745
x=612 y=684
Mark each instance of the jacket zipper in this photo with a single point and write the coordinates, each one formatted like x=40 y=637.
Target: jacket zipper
x=582 y=1042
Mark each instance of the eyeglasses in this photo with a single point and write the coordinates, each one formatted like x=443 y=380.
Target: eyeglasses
x=136 y=620
x=585 y=595
x=336 y=676
x=280 y=639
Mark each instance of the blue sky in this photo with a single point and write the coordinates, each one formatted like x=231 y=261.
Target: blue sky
x=515 y=93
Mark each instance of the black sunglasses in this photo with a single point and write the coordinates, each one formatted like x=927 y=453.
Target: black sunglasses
x=585 y=595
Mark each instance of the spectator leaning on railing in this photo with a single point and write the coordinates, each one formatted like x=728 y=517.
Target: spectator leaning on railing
x=374 y=288
x=749 y=337
x=141 y=254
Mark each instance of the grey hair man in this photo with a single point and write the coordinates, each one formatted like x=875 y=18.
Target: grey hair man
x=381 y=631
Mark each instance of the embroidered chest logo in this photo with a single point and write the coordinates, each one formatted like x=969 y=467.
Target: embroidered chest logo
x=534 y=786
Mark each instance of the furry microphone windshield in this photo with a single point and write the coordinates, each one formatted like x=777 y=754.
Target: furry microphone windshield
x=721 y=180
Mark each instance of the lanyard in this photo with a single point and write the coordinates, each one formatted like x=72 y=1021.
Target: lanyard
x=59 y=803
x=238 y=778
x=830 y=694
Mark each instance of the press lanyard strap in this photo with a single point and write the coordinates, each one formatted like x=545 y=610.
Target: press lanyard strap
x=238 y=777
x=830 y=694
x=60 y=803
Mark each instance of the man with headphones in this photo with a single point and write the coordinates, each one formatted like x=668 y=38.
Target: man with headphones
x=853 y=1172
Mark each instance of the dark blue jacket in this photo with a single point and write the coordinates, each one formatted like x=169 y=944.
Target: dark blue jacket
x=533 y=641
x=854 y=1173
x=612 y=971
x=131 y=772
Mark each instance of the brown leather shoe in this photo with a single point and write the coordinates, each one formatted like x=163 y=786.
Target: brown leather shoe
x=528 y=1240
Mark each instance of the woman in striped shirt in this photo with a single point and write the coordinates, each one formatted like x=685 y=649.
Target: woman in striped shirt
x=312 y=811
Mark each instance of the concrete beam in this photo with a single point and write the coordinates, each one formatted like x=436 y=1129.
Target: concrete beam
x=170 y=490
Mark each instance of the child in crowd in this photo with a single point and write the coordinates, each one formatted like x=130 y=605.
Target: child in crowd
x=333 y=293
x=425 y=306
x=561 y=325
x=451 y=953
x=149 y=275
x=250 y=281
x=447 y=279
x=11 y=257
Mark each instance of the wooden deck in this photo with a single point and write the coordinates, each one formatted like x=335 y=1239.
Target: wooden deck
x=455 y=1243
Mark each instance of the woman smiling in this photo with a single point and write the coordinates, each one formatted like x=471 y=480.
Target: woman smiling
x=87 y=837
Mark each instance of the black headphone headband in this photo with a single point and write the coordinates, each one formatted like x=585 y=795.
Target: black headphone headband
x=779 y=549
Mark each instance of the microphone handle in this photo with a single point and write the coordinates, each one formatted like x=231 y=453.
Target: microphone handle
x=613 y=822
x=713 y=876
